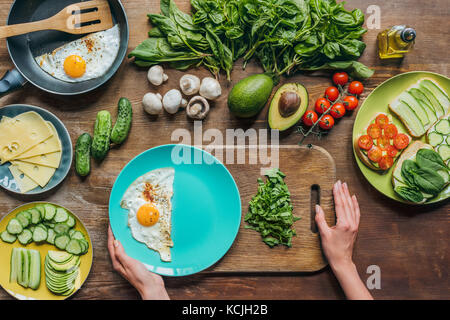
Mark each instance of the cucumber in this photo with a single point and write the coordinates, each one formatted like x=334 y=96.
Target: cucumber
x=443 y=150
x=39 y=234
x=78 y=235
x=41 y=209
x=61 y=228
x=23 y=272
x=25 y=237
x=26 y=214
x=50 y=211
x=83 y=154
x=74 y=247
x=443 y=126
x=43 y=226
x=51 y=234
x=448 y=139
x=35 y=269
x=435 y=138
x=61 y=241
x=102 y=135
x=61 y=215
x=23 y=219
x=14 y=264
x=8 y=237
x=123 y=123
x=71 y=221
x=14 y=226
x=36 y=216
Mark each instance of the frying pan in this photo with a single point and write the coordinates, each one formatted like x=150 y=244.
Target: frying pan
x=22 y=49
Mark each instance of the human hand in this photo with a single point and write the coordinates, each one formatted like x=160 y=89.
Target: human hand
x=149 y=285
x=337 y=241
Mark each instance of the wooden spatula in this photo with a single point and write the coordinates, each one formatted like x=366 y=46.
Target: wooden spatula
x=77 y=18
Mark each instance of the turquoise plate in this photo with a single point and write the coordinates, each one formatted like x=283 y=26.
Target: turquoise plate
x=206 y=210
x=6 y=179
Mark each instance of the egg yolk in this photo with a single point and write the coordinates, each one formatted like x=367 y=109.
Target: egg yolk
x=147 y=215
x=74 y=66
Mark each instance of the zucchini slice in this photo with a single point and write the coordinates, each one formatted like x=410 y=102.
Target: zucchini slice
x=14 y=226
x=7 y=237
x=435 y=138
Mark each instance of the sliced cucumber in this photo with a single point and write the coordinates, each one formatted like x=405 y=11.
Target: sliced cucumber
x=8 y=237
x=61 y=215
x=14 y=265
x=36 y=216
x=14 y=226
x=78 y=235
x=443 y=150
x=25 y=237
x=43 y=226
x=39 y=234
x=443 y=126
x=61 y=241
x=50 y=211
x=438 y=93
x=51 y=234
x=24 y=221
x=35 y=269
x=447 y=140
x=409 y=117
x=434 y=102
x=23 y=275
x=71 y=221
x=61 y=228
x=74 y=247
x=41 y=209
x=415 y=106
x=435 y=138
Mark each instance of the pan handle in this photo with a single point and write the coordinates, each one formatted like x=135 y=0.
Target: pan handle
x=11 y=81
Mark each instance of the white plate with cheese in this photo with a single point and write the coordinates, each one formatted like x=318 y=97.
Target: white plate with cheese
x=35 y=150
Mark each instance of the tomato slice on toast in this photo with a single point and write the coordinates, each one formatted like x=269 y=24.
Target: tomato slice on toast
x=365 y=142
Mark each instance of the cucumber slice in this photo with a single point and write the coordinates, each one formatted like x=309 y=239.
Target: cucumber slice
x=61 y=228
x=14 y=264
x=36 y=216
x=39 y=234
x=50 y=211
x=447 y=140
x=434 y=102
x=23 y=275
x=41 y=209
x=61 y=241
x=7 y=237
x=14 y=226
x=25 y=237
x=74 y=247
x=443 y=150
x=443 y=126
x=23 y=219
x=78 y=235
x=435 y=138
x=85 y=246
x=420 y=112
x=43 y=226
x=26 y=213
x=438 y=93
x=71 y=221
x=71 y=233
x=444 y=174
x=51 y=234
x=49 y=224
x=59 y=256
x=61 y=215
x=35 y=269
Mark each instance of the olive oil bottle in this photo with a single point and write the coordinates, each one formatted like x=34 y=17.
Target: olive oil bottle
x=394 y=42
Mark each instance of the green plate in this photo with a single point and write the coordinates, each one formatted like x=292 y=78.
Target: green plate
x=377 y=102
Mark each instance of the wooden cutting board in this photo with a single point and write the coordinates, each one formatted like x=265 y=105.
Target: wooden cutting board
x=310 y=174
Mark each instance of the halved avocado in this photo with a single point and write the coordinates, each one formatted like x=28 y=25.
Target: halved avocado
x=287 y=106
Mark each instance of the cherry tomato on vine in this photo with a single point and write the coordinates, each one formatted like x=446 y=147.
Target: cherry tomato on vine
x=337 y=110
x=340 y=78
x=350 y=103
x=332 y=93
x=355 y=87
x=309 y=118
x=327 y=122
x=322 y=105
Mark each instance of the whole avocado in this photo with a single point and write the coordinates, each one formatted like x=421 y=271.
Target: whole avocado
x=123 y=123
x=249 y=96
x=102 y=135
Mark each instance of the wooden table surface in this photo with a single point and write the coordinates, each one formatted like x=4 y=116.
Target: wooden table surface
x=409 y=244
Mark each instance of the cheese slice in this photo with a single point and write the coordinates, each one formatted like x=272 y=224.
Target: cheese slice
x=23 y=181
x=39 y=174
x=51 y=160
x=21 y=133
x=53 y=144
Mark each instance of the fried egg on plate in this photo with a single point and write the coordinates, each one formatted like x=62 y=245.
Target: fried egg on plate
x=83 y=59
x=148 y=201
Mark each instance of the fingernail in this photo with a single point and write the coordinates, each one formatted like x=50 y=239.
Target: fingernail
x=317 y=207
x=116 y=243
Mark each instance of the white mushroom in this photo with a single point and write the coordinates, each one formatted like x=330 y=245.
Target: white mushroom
x=152 y=103
x=189 y=84
x=156 y=75
x=197 y=108
x=173 y=100
x=210 y=88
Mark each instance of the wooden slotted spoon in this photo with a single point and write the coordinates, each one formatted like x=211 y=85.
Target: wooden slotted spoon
x=77 y=18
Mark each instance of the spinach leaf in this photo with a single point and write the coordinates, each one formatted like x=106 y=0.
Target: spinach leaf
x=409 y=194
x=409 y=168
x=427 y=158
x=429 y=181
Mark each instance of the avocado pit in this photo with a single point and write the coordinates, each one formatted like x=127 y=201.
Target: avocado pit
x=289 y=103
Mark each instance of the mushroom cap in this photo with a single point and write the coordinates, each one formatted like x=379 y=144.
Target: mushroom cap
x=189 y=84
x=156 y=75
x=197 y=108
x=210 y=88
x=172 y=101
x=152 y=103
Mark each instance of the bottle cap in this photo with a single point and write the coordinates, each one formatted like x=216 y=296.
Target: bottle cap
x=408 y=34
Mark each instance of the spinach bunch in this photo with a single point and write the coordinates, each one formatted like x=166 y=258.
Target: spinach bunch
x=422 y=176
x=292 y=35
x=270 y=210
